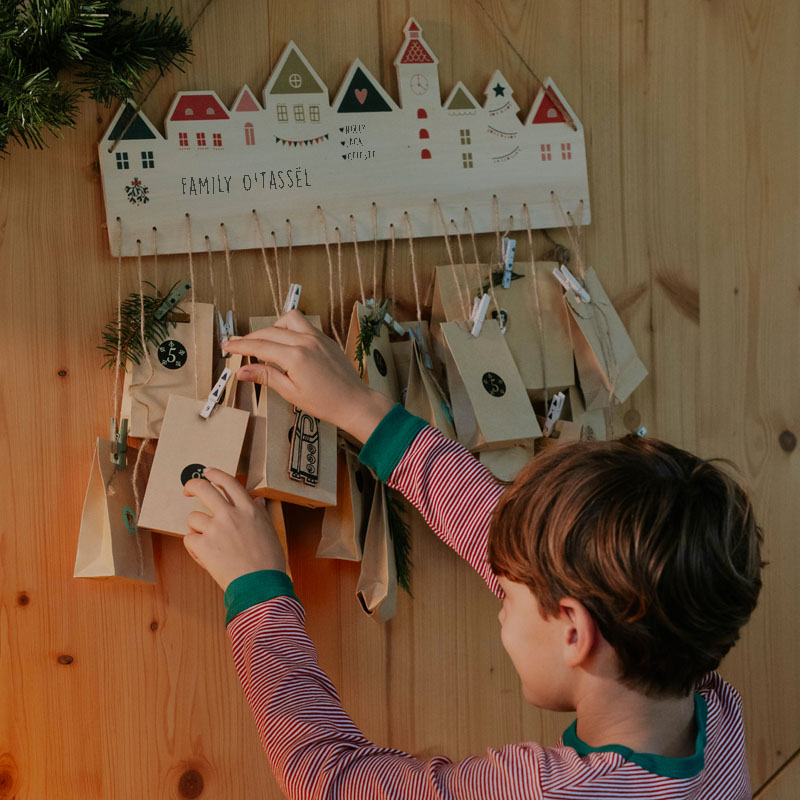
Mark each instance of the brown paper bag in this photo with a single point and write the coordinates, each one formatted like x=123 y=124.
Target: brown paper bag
x=594 y=424
x=564 y=431
x=380 y=372
x=286 y=441
x=377 y=584
x=490 y=406
x=344 y=525
x=505 y=463
x=608 y=366
x=425 y=398
x=109 y=543
x=542 y=353
x=274 y=509
x=145 y=398
x=188 y=444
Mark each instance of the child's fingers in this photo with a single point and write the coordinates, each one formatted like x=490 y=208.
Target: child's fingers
x=295 y=321
x=235 y=491
x=198 y=521
x=191 y=542
x=207 y=494
x=278 y=335
x=264 y=350
x=266 y=375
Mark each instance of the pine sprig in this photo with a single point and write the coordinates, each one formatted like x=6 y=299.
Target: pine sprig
x=104 y=50
x=368 y=327
x=497 y=280
x=401 y=540
x=127 y=340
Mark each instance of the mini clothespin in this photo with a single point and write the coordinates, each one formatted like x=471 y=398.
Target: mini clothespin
x=415 y=332
x=569 y=281
x=215 y=397
x=119 y=443
x=171 y=300
x=554 y=412
x=226 y=330
x=509 y=248
x=292 y=297
x=388 y=319
x=479 y=308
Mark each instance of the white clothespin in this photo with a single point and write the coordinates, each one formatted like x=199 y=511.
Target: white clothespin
x=225 y=330
x=509 y=248
x=215 y=396
x=479 y=309
x=293 y=297
x=554 y=412
x=569 y=281
x=389 y=319
x=415 y=332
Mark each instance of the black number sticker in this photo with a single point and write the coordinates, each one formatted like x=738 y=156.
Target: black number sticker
x=380 y=362
x=191 y=471
x=493 y=384
x=503 y=317
x=172 y=354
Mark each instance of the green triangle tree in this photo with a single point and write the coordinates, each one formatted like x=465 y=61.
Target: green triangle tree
x=53 y=52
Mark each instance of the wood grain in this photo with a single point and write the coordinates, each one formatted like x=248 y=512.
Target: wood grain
x=119 y=691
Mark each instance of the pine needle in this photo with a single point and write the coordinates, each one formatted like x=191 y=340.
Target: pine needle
x=368 y=327
x=401 y=540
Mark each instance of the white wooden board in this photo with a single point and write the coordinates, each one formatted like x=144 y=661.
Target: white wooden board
x=301 y=162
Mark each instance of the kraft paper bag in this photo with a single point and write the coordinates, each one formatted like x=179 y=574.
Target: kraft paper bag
x=377 y=584
x=425 y=398
x=542 y=352
x=563 y=432
x=292 y=454
x=274 y=509
x=504 y=464
x=608 y=367
x=188 y=444
x=594 y=424
x=109 y=544
x=380 y=372
x=145 y=397
x=491 y=408
x=344 y=525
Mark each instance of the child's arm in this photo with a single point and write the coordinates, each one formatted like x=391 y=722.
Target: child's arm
x=453 y=491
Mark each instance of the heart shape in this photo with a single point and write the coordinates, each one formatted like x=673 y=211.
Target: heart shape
x=361 y=95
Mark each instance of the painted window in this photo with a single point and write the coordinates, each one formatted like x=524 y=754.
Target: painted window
x=209 y=112
x=466 y=160
x=422 y=113
x=425 y=154
x=465 y=136
x=566 y=151
x=423 y=134
x=201 y=140
x=552 y=113
x=249 y=133
x=313 y=113
x=295 y=80
x=546 y=154
x=217 y=139
x=299 y=113
x=122 y=161
x=147 y=159
x=189 y=112
x=183 y=139
x=283 y=112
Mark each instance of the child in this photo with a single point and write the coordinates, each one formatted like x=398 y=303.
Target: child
x=625 y=568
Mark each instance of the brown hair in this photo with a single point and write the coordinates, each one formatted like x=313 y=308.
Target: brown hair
x=659 y=545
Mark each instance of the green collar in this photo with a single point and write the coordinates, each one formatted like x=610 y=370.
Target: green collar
x=659 y=765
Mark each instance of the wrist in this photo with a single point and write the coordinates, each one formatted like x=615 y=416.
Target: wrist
x=363 y=416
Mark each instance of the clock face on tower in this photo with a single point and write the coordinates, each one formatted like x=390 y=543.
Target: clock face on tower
x=419 y=84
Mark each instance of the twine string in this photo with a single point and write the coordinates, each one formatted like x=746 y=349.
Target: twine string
x=229 y=271
x=289 y=240
x=413 y=264
x=340 y=277
x=194 y=306
x=275 y=303
x=392 y=262
x=277 y=260
x=464 y=301
x=574 y=241
x=358 y=259
x=539 y=318
x=375 y=252
x=332 y=309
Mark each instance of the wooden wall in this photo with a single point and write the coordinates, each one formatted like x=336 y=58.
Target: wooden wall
x=691 y=111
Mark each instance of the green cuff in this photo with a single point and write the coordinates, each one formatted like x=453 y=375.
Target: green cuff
x=254 y=588
x=389 y=441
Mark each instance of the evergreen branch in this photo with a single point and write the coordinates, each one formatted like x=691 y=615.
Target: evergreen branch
x=497 y=280
x=401 y=540
x=368 y=327
x=126 y=338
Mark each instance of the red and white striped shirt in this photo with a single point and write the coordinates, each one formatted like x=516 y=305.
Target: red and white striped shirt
x=317 y=751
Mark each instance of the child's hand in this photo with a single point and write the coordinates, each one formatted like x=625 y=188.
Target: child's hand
x=237 y=537
x=308 y=369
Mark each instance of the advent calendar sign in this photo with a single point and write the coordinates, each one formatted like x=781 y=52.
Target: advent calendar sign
x=300 y=165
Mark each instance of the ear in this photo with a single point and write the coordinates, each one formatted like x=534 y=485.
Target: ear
x=581 y=633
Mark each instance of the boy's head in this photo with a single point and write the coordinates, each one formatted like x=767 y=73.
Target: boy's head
x=659 y=546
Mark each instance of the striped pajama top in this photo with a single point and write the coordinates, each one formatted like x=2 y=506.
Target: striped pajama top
x=317 y=751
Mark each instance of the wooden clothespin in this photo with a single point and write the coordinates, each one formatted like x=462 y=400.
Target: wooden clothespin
x=119 y=443
x=171 y=300
x=554 y=412
x=569 y=281
x=388 y=319
x=509 y=248
x=479 y=308
x=216 y=394
x=292 y=297
x=415 y=332
x=226 y=330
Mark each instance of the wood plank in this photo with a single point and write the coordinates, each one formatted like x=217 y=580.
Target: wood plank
x=785 y=784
